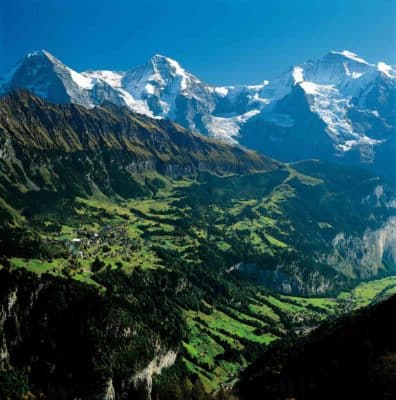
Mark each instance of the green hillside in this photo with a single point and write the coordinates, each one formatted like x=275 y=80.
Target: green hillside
x=137 y=246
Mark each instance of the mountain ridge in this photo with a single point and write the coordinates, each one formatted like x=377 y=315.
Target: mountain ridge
x=349 y=102
x=104 y=134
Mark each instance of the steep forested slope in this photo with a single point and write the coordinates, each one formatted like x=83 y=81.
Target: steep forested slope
x=350 y=358
x=66 y=339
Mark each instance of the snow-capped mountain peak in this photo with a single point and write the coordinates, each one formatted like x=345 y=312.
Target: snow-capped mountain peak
x=350 y=55
x=46 y=76
x=336 y=67
x=158 y=73
x=332 y=84
x=162 y=82
x=43 y=53
x=298 y=74
x=339 y=101
x=160 y=61
x=386 y=69
x=43 y=56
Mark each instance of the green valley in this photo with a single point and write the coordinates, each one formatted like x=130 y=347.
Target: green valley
x=167 y=262
x=166 y=231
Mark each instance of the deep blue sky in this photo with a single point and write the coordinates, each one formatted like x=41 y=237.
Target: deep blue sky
x=221 y=41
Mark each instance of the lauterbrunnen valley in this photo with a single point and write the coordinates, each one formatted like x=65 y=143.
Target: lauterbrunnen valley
x=197 y=200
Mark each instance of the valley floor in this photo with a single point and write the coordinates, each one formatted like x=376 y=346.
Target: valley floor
x=175 y=230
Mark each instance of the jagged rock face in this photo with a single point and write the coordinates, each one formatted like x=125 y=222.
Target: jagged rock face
x=373 y=251
x=42 y=77
x=369 y=254
x=155 y=367
x=109 y=393
x=45 y=76
x=338 y=107
x=299 y=282
x=170 y=91
x=352 y=256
